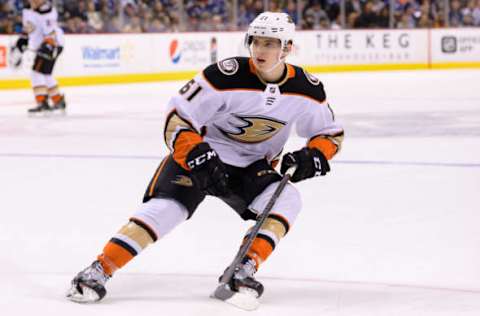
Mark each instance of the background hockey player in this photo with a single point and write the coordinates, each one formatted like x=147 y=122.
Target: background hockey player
x=42 y=35
x=226 y=129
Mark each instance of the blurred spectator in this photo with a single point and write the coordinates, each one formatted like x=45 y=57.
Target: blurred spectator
x=291 y=10
x=368 y=18
x=424 y=22
x=476 y=13
x=206 y=15
x=315 y=17
x=247 y=11
x=353 y=6
x=75 y=9
x=424 y=13
x=156 y=26
x=158 y=10
x=467 y=20
x=455 y=14
x=383 y=20
x=468 y=13
x=405 y=22
x=336 y=25
x=112 y=16
x=245 y=14
x=113 y=25
x=218 y=23
x=377 y=6
x=332 y=7
x=129 y=10
x=134 y=25
x=69 y=26
x=439 y=20
x=94 y=17
x=274 y=6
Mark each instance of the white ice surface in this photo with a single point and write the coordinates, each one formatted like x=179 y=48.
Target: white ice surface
x=392 y=230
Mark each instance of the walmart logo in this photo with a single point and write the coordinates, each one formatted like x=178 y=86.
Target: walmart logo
x=97 y=53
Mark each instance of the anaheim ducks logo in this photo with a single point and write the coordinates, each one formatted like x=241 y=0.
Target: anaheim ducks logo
x=253 y=129
x=183 y=181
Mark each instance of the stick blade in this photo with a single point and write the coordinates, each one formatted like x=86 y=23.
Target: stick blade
x=245 y=299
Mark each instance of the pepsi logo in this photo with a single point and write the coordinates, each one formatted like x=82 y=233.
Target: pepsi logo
x=3 y=56
x=175 y=52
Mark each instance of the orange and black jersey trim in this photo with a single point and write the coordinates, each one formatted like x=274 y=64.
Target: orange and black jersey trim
x=180 y=137
x=243 y=76
x=329 y=145
x=44 y=9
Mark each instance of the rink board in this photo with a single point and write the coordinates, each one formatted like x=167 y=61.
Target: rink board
x=124 y=58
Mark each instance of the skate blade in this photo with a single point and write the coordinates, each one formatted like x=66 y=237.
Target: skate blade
x=41 y=114
x=88 y=296
x=245 y=298
x=59 y=112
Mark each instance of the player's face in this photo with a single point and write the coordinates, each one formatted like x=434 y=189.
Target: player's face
x=265 y=52
x=36 y=3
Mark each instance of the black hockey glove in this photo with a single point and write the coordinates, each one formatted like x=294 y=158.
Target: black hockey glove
x=310 y=163
x=208 y=171
x=47 y=51
x=22 y=43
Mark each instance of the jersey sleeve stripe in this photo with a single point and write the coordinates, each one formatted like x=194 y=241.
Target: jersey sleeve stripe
x=183 y=144
x=173 y=126
x=329 y=145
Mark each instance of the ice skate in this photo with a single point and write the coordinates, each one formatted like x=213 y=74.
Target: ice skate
x=41 y=108
x=242 y=290
x=60 y=106
x=89 y=284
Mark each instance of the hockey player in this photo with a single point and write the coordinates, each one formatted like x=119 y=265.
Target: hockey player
x=226 y=129
x=42 y=35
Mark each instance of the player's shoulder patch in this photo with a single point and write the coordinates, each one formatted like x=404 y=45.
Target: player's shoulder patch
x=311 y=78
x=228 y=66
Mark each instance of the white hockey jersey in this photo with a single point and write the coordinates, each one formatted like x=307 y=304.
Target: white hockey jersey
x=246 y=119
x=41 y=23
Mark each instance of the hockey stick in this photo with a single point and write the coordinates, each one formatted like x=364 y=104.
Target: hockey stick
x=223 y=291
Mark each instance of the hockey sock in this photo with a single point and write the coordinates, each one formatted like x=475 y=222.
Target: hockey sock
x=40 y=98
x=40 y=93
x=270 y=233
x=54 y=94
x=130 y=240
x=56 y=98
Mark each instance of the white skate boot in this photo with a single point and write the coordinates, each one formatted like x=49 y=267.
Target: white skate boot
x=242 y=290
x=89 y=284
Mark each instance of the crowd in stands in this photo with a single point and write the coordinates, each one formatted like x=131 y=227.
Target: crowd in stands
x=137 y=16
x=325 y=14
